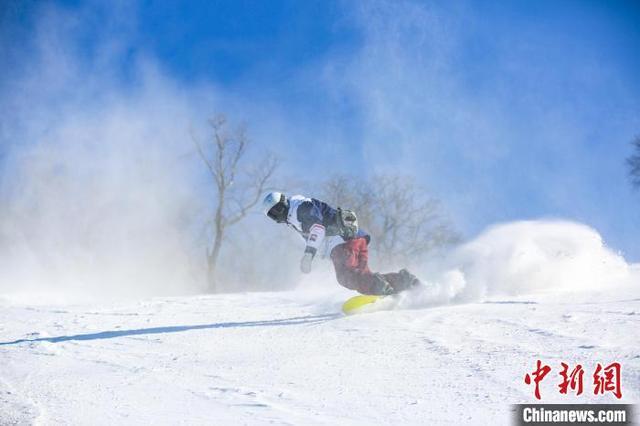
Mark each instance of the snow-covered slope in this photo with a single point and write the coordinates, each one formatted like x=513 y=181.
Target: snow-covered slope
x=453 y=352
x=261 y=358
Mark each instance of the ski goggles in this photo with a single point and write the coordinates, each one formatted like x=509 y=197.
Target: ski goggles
x=278 y=212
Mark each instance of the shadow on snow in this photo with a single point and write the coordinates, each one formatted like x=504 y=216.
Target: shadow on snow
x=309 y=319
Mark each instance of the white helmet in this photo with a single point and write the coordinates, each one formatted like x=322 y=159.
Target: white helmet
x=276 y=206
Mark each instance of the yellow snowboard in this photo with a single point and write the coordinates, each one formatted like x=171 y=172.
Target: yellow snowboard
x=358 y=303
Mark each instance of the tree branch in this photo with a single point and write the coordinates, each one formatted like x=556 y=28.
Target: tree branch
x=259 y=188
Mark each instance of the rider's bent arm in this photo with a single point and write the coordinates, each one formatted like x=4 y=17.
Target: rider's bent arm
x=316 y=236
x=310 y=219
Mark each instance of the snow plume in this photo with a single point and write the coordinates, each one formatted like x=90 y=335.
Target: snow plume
x=527 y=257
x=96 y=191
x=99 y=207
x=101 y=190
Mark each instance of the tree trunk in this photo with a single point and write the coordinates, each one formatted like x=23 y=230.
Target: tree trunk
x=213 y=263
x=217 y=245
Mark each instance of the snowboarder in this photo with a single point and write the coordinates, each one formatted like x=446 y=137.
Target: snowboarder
x=321 y=225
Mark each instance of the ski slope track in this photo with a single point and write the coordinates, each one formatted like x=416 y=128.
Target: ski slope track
x=270 y=358
x=454 y=352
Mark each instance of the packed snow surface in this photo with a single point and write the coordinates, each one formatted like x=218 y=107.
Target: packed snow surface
x=262 y=358
x=453 y=352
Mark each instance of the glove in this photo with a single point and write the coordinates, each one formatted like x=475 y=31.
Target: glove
x=305 y=263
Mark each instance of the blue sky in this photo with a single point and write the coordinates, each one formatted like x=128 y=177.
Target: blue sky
x=503 y=110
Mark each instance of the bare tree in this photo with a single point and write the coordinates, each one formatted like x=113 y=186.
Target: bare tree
x=633 y=162
x=237 y=191
x=403 y=222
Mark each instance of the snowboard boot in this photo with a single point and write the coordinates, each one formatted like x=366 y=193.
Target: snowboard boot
x=381 y=286
x=407 y=280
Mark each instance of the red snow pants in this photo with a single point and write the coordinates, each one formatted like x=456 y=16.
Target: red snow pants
x=350 y=260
